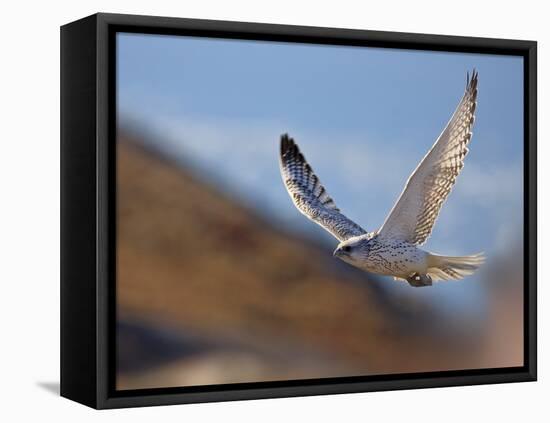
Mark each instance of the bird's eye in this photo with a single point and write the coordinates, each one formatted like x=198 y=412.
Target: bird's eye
x=346 y=248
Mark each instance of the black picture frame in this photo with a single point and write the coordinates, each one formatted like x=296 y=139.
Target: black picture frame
x=88 y=131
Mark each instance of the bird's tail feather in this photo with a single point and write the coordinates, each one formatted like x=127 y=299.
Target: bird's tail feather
x=453 y=268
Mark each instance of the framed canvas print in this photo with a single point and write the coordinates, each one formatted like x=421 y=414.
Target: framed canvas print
x=254 y=211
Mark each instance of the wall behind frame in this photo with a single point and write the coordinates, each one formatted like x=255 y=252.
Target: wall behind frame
x=30 y=175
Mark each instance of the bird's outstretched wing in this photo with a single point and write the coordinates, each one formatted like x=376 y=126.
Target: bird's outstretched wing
x=309 y=196
x=415 y=212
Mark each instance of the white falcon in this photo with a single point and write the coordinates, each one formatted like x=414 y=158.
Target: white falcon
x=393 y=249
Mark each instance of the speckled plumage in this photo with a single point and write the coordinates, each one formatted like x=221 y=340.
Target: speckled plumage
x=418 y=206
x=393 y=249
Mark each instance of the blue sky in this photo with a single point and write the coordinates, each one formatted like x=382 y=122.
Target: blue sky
x=364 y=117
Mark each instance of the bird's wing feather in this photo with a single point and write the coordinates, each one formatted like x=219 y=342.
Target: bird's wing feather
x=415 y=212
x=309 y=196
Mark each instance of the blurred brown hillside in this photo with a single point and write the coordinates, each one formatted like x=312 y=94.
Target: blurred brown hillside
x=208 y=292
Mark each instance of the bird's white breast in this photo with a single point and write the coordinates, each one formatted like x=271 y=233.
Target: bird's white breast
x=394 y=257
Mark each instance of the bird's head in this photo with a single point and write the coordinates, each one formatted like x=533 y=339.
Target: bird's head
x=353 y=250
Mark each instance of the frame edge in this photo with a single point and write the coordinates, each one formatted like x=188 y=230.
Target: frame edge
x=78 y=212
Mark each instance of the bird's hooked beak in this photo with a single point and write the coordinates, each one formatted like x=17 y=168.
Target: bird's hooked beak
x=338 y=253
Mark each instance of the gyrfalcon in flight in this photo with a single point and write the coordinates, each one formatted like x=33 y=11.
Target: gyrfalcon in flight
x=394 y=248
